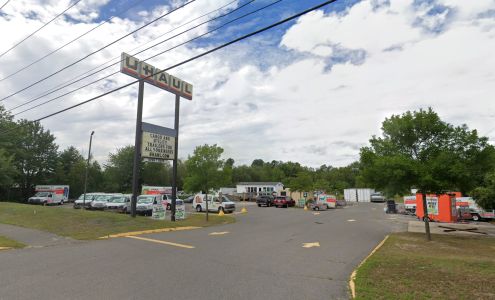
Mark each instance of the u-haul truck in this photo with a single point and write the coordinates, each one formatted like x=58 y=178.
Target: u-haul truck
x=50 y=194
x=329 y=200
x=410 y=204
x=476 y=211
x=164 y=191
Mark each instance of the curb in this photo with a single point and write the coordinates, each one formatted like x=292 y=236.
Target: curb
x=352 y=285
x=133 y=233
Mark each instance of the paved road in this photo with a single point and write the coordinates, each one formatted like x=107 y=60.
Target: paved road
x=259 y=257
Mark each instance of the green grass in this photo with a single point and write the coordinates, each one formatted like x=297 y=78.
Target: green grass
x=8 y=243
x=82 y=224
x=449 y=267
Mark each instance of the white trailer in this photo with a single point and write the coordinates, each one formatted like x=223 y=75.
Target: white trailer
x=358 y=195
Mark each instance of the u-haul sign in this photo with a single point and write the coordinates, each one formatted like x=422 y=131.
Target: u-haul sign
x=141 y=70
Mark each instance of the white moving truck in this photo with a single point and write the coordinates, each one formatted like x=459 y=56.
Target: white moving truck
x=476 y=211
x=50 y=194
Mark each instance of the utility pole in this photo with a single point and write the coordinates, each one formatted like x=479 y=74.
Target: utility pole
x=87 y=167
x=137 y=149
x=176 y=151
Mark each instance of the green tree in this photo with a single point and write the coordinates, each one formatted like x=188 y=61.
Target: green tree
x=205 y=170
x=35 y=156
x=485 y=194
x=118 y=170
x=417 y=149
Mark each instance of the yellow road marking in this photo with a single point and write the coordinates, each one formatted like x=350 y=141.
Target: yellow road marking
x=161 y=242
x=218 y=233
x=351 y=220
x=316 y=213
x=126 y=234
x=352 y=284
x=5 y=248
x=311 y=245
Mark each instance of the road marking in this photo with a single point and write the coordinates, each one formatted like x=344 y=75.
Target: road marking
x=126 y=234
x=218 y=233
x=352 y=284
x=316 y=213
x=311 y=245
x=351 y=220
x=161 y=242
x=5 y=248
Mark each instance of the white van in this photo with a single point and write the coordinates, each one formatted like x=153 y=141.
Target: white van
x=80 y=202
x=215 y=203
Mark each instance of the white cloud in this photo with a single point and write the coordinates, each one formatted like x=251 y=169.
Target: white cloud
x=316 y=98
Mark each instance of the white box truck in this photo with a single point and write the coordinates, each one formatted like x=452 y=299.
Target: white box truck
x=50 y=194
x=358 y=195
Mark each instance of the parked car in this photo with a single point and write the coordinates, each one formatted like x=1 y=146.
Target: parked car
x=45 y=198
x=119 y=203
x=215 y=203
x=189 y=199
x=264 y=200
x=144 y=205
x=100 y=202
x=89 y=198
x=284 y=201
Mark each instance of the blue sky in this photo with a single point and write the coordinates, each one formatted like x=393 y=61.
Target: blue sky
x=313 y=90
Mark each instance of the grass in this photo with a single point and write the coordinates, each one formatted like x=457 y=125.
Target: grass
x=82 y=224
x=449 y=267
x=8 y=243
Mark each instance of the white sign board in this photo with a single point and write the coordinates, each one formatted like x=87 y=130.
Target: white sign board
x=180 y=212
x=159 y=211
x=139 y=69
x=158 y=143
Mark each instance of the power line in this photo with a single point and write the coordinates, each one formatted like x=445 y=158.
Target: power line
x=43 y=26
x=193 y=58
x=169 y=49
x=4 y=4
x=188 y=60
x=96 y=51
x=70 y=42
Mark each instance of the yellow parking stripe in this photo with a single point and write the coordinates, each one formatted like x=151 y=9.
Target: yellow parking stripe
x=161 y=242
x=126 y=234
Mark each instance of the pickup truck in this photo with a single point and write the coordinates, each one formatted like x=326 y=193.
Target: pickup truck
x=264 y=201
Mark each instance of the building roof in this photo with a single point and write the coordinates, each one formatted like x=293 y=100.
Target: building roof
x=259 y=183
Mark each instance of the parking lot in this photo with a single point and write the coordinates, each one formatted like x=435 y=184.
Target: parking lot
x=269 y=253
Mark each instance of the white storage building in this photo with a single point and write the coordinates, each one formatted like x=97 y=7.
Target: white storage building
x=358 y=195
x=257 y=187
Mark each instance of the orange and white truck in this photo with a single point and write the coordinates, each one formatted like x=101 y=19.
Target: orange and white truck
x=50 y=194
x=329 y=200
x=476 y=211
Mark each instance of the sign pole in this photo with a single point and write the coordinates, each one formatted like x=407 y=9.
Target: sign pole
x=137 y=149
x=174 y=168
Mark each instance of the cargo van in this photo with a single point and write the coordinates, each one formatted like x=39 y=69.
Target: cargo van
x=215 y=203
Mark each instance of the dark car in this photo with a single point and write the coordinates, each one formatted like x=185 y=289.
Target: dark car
x=264 y=200
x=284 y=201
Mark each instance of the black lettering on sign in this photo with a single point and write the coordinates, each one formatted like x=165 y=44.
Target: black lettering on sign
x=146 y=71
x=187 y=90
x=176 y=83
x=129 y=65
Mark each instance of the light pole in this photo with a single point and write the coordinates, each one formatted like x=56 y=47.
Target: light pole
x=87 y=167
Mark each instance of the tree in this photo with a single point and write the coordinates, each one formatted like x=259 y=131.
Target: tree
x=205 y=170
x=417 y=149
x=118 y=170
x=485 y=194
x=35 y=155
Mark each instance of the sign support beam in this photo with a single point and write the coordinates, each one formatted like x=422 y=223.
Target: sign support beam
x=137 y=149
x=174 y=168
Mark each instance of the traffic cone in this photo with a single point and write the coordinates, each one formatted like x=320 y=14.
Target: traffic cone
x=243 y=210
x=305 y=207
x=221 y=213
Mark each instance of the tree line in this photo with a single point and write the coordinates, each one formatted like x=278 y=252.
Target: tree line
x=416 y=150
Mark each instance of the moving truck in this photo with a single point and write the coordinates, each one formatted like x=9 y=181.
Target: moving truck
x=164 y=191
x=50 y=194
x=329 y=200
x=476 y=211
x=410 y=203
